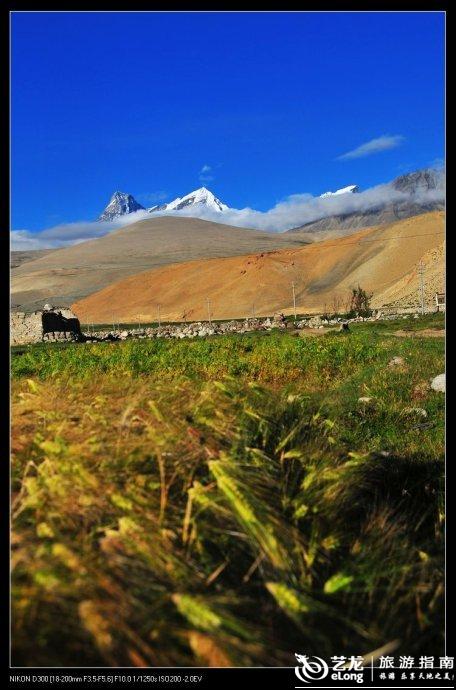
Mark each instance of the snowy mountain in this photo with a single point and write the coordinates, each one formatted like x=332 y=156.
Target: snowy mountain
x=353 y=188
x=200 y=197
x=120 y=205
x=422 y=190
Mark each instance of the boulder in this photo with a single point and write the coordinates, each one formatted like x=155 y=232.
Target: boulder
x=396 y=362
x=438 y=383
x=415 y=412
x=279 y=318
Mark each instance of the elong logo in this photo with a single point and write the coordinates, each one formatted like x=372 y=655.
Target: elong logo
x=311 y=669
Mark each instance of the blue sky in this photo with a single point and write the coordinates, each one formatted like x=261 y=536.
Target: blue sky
x=256 y=107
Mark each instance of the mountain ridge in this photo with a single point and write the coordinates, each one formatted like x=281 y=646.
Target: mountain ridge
x=414 y=185
x=202 y=196
x=121 y=204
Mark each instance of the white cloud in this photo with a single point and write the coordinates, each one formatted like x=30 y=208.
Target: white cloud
x=66 y=234
x=24 y=240
x=377 y=145
x=299 y=209
x=206 y=174
x=437 y=164
x=294 y=211
x=151 y=197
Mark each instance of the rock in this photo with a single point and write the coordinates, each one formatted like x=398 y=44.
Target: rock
x=415 y=412
x=381 y=454
x=396 y=362
x=421 y=390
x=366 y=400
x=314 y=322
x=438 y=383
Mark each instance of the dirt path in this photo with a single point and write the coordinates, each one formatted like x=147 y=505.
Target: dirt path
x=305 y=332
x=425 y=333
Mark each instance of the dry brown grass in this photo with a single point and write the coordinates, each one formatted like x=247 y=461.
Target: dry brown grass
x=219 y=523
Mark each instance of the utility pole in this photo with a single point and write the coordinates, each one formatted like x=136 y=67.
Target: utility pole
x=294 y=299
x=421 y=274
x=208 y=301
x=159 y=318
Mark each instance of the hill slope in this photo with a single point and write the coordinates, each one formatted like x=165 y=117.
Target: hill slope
x=336 y=226
x=71 y=273
x=377 y=258
x=17 y=258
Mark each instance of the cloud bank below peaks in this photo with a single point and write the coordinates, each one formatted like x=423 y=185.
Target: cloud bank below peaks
x=294 y=211
x=66 y=234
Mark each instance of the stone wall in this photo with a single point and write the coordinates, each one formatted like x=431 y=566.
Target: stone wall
x=203 y=329
x=42 y=325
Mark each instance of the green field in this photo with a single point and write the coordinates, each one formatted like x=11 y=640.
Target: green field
x=229 y=500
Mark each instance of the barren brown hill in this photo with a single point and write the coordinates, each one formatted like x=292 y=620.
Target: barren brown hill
x=66 y=275
x=17 y=258
x=323 y=272
x=406 y=291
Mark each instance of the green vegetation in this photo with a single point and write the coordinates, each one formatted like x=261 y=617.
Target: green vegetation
x=268 y=357
x=227 y=501
x=360 y=302
x=434 y=321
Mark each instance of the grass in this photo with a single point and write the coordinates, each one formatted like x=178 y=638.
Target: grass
x=269 y=357
x=434 y=321
x=227 y=501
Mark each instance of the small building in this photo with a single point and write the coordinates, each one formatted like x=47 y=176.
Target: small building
x=440 y=301
x=48 y=324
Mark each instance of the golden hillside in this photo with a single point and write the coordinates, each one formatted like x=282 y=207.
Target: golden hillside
x=380 y=259
x=66 y=275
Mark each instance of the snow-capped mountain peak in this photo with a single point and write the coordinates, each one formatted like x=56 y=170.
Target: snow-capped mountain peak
x=351 y=189
x=201 y=197
x=120 y=204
